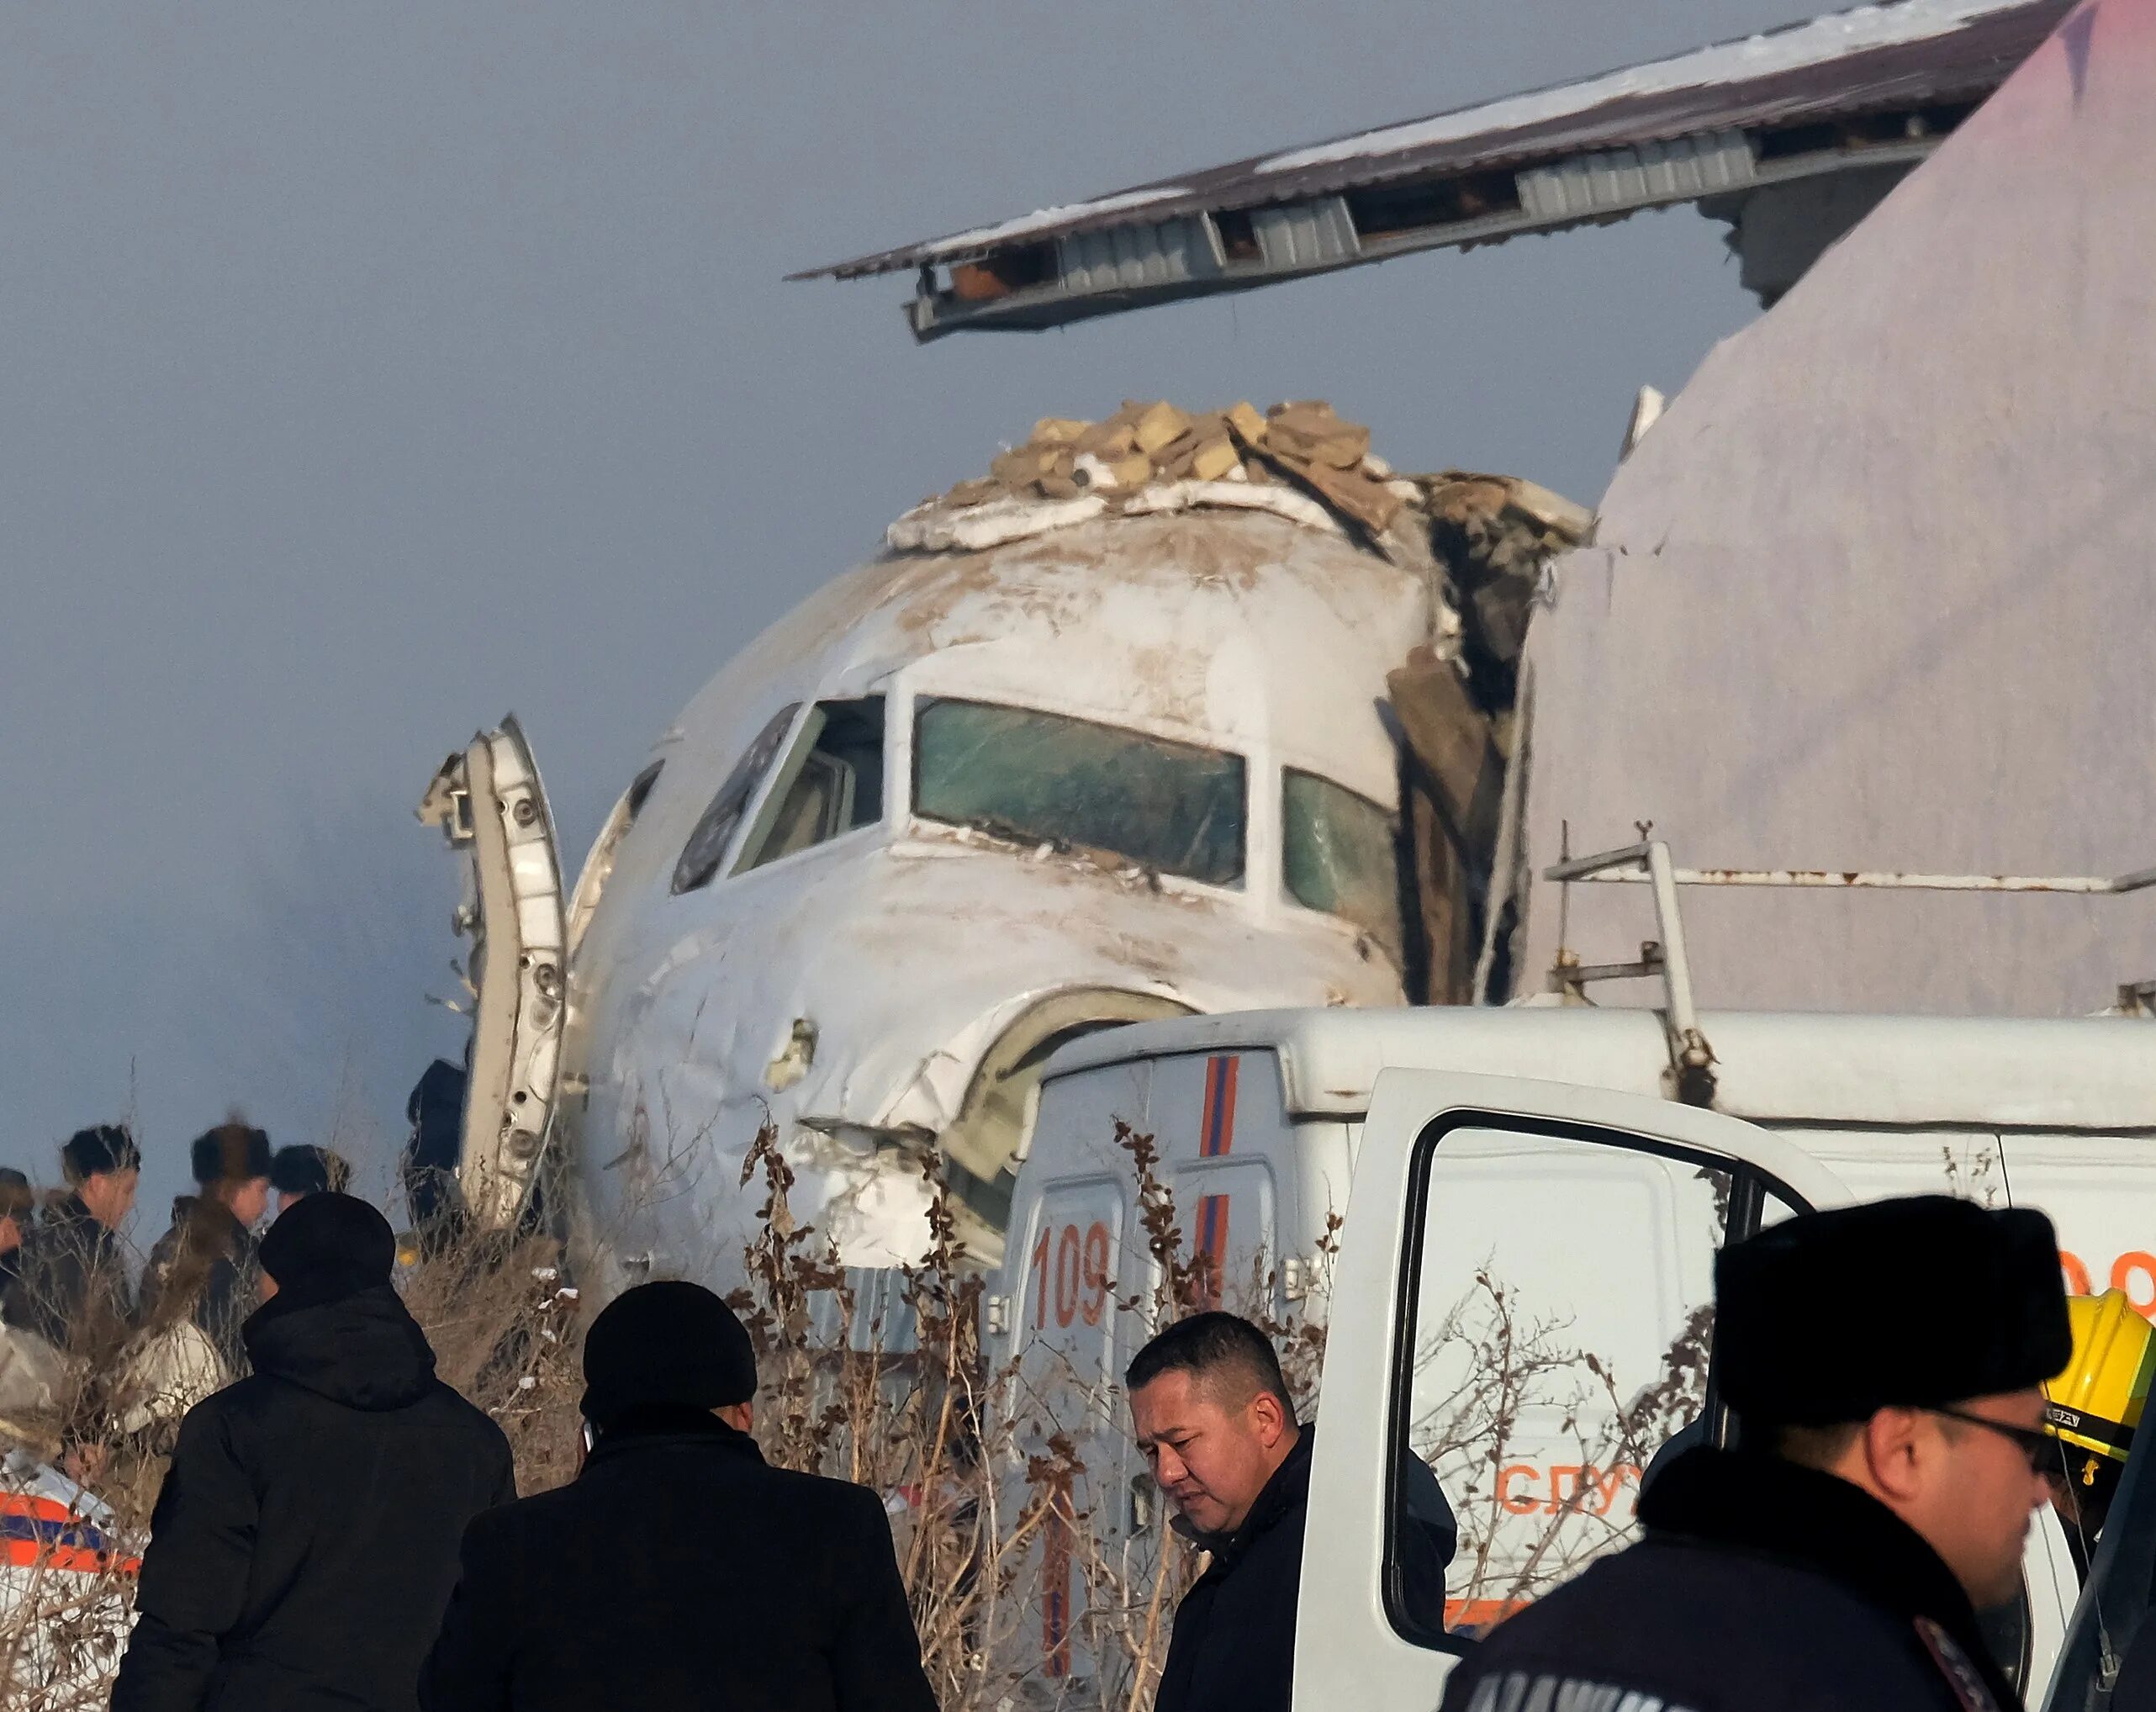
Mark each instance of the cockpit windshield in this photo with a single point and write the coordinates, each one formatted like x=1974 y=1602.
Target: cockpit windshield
x=1045 y=777
x=1338 y=854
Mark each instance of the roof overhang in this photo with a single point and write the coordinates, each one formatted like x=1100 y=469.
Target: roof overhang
x=1855 y=91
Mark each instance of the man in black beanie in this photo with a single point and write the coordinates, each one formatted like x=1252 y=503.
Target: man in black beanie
x=304 y=1542
x=1891 y=1456
x=679 y=1571
x=204 y=1268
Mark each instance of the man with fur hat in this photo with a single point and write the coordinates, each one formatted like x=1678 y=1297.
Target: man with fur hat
x=71 y=1285
x=679 y=1571
x=305 y=1539
x=204 y=1268
x=1889 y=1458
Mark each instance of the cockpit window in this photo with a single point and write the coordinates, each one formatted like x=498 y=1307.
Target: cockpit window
x=1337 y=855
x=1045 y=778
x=707 y=844
x=639 y=791
x=837 y=785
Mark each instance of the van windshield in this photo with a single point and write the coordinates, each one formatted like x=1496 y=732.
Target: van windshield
x=1337 y=854
x=1043 y=778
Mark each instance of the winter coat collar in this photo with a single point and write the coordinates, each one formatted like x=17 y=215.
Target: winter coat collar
x=75 y=1218
x=661 y=1428
x=1282 y=1496
x=1823 y=1523
x=365 y=1351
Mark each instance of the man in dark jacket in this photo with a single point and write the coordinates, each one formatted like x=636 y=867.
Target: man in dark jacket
x=205 y=1268
x=304 y=1543
x=1892 y=1457
x=71 y=1287
x=1210 y=1413
x=679 y=1571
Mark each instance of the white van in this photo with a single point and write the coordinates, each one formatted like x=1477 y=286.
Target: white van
x=1526 y=1307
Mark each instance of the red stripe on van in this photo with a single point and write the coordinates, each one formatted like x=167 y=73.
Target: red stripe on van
x=1211 y=1249
x=1216 y=1125
x=1055 y=1595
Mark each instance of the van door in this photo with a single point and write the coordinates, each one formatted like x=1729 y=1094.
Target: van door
x=1522 y=1316
x=488 y=803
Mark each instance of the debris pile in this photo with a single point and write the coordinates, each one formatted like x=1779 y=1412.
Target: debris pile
x=1481 y=539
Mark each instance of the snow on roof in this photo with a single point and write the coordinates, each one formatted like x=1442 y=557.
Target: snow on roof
x=1793 y=47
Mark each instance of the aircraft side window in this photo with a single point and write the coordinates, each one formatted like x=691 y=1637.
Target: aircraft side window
x=837 y=786
x=1555 y=1327
x=714 y=831
x=1340 y=853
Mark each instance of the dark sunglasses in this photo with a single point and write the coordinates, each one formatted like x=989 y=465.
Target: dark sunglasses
x=2035 y=1443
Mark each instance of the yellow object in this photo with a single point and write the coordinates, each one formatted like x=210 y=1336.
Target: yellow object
x=2096 y=1403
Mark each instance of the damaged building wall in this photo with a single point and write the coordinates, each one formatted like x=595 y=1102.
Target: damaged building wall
x=1873 y=593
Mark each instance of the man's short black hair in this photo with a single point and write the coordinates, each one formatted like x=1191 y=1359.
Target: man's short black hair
x=1209 y=1344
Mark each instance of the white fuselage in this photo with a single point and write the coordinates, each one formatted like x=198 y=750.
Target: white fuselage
x=848 y=991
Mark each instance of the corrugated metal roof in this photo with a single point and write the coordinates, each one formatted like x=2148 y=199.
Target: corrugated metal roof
x=1876 y=59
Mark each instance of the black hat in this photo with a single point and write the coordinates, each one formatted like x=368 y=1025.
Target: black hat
x=326 y=1248
x=231 y=1153
x=672 y=1345
x=306 y=1169
x=102 y=1147
x=1812 y=1329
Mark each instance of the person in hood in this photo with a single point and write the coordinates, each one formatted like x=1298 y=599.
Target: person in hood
x=679 y=1571
x=1889 y=1459
x=304 y=1541
x=71 y=1285
x=204 y=1267
x=428 y=1169
x=296 y=1172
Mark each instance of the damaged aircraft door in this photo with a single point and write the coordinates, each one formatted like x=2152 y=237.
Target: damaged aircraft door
x=488 y=800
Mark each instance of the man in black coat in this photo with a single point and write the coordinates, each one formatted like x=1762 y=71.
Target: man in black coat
x=1211 y=1412
x=304 y=1543
x=71 y=1283
x=1893 y=1453
x=679 y=1571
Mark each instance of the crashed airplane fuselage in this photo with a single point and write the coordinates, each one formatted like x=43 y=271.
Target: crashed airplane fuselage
x=958 y=807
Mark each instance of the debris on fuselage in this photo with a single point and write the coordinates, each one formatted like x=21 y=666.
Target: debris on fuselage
x=1485 y=537
x=1482 y=541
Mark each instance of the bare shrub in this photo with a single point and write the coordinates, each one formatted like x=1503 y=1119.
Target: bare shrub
x=1035 y=1554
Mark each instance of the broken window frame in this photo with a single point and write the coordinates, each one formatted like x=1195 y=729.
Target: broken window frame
x=1386 y=931
x=1027 y=831
x=805 y=753
x=720 y=825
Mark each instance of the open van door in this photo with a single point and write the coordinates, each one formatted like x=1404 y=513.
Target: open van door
x=488 y=803
x=1523 y=1305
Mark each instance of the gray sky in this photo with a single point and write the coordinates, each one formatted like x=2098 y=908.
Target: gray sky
x=372 y=371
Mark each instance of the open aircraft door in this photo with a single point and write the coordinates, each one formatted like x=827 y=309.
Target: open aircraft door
x=489 y=803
